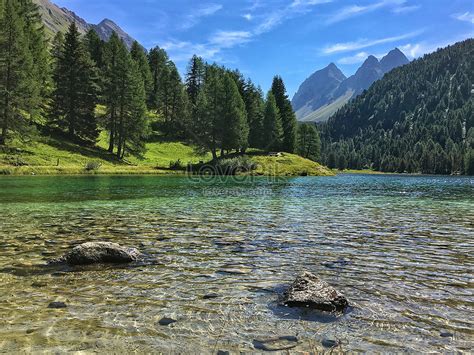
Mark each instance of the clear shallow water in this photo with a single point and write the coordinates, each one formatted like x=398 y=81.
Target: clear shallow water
x=401 y=248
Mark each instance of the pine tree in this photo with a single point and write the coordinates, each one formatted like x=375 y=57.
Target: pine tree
x=125 y=99
x=158 y=60
x=195 y=78
x=23 y=77
x=309 y=143
x=40 y=72
x=140 y=57
x=235 y=127
x=273 y=132
x=173 y=101
x=75 y=92
x=288 y=117
x=113 y=70
x=57 y=47
x=207 y=130
x=132 y=121
x=95 y=46
x=255 y=106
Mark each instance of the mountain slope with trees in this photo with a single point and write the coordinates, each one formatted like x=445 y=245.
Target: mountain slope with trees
x=418 y=119
x=82 y=91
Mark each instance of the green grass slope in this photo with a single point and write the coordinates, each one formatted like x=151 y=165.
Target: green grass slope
x=47 y=156
x=53 y=156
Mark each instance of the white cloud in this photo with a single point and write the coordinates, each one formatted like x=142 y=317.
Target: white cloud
x=193 y=19
x=356 y=58
x=357 y=10
x=220 y=40
x=228 y=39
x=365 y=43
x=415 y=50
x=467 y=16
x=297 y=7
x=405 y=9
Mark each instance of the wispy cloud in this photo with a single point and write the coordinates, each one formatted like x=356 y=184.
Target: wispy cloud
x=415 y=50
x=356 y=58
x=194 y=18
x=221 y=40
x=467 y=16
x=357 y=10
x=276 y=17
x=405 y=9
x=228 y=39
x=366 y=43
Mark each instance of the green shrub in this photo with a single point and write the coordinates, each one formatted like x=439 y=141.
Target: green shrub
x=92 y=166
x=233 y=166
x=177 y=165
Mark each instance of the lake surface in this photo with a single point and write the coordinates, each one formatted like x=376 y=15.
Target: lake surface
x=401 y=248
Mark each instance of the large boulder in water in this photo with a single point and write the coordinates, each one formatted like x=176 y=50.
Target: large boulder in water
x=309 y=291
x=99 y=252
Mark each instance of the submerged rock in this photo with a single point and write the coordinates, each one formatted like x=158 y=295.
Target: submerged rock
x=57 y=305
x=282 y=343
x=329 y=343
x=98 y=252
x=310 y=291
x=445 y=333
x=166 y=321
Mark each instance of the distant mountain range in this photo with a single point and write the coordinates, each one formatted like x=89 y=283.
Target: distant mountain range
x=328 y=89
x=58 y=19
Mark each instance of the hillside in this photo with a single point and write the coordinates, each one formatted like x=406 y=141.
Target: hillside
x=327 y=90
x=418 y=118
x=58 y=19
x=50 y=155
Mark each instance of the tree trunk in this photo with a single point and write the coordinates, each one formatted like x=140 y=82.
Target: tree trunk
x=214 y=154
x=112 y=131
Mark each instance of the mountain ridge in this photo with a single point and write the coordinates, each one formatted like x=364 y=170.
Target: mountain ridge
x=313 y=102
x=58 y=19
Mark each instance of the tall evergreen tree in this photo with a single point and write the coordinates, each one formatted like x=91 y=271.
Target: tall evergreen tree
x=173 y=101
x=158 y=60
x=308 y=142
x=288 y=117
x=113 y=71
x=195 y=78
x=75 y=92
x=255 y=106
x=40 y=72
x=95 y=46
x=22 y=75
x=207 y=124
x=125 y=98
x=235 y=129
x=272 y=128
x=140 y=57
x=132 y=125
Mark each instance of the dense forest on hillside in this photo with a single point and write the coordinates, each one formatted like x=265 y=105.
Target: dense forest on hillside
x=418 y=119
x=56 y=87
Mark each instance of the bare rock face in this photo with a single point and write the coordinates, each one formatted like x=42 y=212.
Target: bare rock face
x=309 y=291
x=98 y=252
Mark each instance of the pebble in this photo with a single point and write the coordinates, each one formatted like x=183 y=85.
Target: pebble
x=57 y=305
x=329 y=343
x=445 y=333
x=166 y=321
x=210 y=295
x=286 y=342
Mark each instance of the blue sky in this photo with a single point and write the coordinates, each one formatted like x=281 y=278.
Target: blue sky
x=292 y=38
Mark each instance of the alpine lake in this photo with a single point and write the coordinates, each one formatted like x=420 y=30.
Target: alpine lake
x=221 y=251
